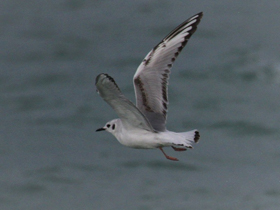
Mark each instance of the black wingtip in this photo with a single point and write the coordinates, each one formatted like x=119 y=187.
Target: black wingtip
x=107 y=76
x=200 y=14
x=98 y=77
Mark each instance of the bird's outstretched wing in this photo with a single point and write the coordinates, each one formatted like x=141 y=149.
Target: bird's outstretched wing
x=125 y=109
x=151 y=77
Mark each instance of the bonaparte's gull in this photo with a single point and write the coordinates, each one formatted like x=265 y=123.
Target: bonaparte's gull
x=143 y=126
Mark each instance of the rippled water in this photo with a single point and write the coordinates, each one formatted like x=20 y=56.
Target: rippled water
x=226 y=83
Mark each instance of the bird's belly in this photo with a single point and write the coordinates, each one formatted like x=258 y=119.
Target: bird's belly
x=142 y=140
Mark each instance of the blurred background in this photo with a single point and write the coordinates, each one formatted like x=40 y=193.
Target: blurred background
x=225 y=83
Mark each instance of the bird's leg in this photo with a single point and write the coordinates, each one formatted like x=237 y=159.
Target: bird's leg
x=168 y=157
x=179 y=149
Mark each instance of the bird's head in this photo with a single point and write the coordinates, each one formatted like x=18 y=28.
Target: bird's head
x=111 y=126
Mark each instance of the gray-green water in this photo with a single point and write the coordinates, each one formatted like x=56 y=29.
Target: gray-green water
x=226 y=83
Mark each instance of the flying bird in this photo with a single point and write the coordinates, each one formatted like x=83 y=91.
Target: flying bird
x=143 y=126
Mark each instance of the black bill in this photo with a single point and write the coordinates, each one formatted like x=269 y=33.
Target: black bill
x=100 y=129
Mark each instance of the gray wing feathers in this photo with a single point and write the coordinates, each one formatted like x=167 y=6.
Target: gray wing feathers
x=125 y=109
x=151 y=77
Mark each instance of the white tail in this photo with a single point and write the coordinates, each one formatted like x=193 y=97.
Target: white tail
x=179 y=141
x=186 y=139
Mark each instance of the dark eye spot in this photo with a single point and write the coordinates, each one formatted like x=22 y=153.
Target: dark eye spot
x=108 y=125
x=113 y=126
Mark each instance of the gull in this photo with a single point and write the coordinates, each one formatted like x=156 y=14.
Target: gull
x=143 y=126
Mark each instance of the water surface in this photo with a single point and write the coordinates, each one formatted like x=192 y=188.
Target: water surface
x=225 y=83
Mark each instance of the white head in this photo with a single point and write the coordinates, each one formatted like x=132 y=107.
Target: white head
x=112 y=126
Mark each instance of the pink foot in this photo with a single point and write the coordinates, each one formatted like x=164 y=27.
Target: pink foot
x=168 y=157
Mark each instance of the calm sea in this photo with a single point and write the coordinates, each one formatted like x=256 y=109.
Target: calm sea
x=225 y=83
